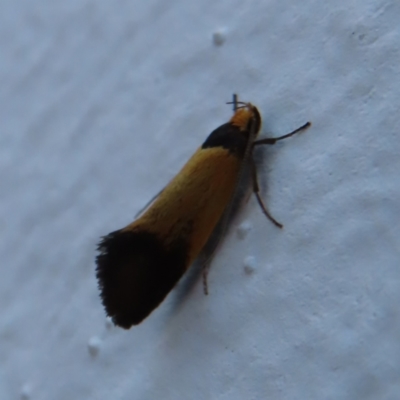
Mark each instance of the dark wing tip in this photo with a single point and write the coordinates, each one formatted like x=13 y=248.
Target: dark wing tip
x=115 y=274
x=135 y=272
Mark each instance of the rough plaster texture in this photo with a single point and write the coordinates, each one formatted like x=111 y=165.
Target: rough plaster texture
x=101 y=103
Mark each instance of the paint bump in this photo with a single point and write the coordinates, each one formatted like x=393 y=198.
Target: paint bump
x=249 y=265
x=26 y=392
x=219 y=38
x=243 y=230
x=109 y=324
x=94 y=345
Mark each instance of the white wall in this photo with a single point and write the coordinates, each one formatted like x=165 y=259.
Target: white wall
x=101 y=103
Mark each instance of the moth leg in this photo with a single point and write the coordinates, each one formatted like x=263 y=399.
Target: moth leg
x=256 y=190
x=206 y=268
x=211 y=247
x=274 y=140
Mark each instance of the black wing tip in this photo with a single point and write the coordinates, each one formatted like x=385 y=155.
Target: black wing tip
x=135 y=272
x=111 y=251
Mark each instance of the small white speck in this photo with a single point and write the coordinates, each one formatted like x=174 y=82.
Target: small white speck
x=219 y=37
x=249 y=265
x=94 y=345
x=109 y=324
x=243 y=230
x=26 y=392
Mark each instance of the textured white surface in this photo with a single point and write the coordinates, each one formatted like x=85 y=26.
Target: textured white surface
x=101 y=103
